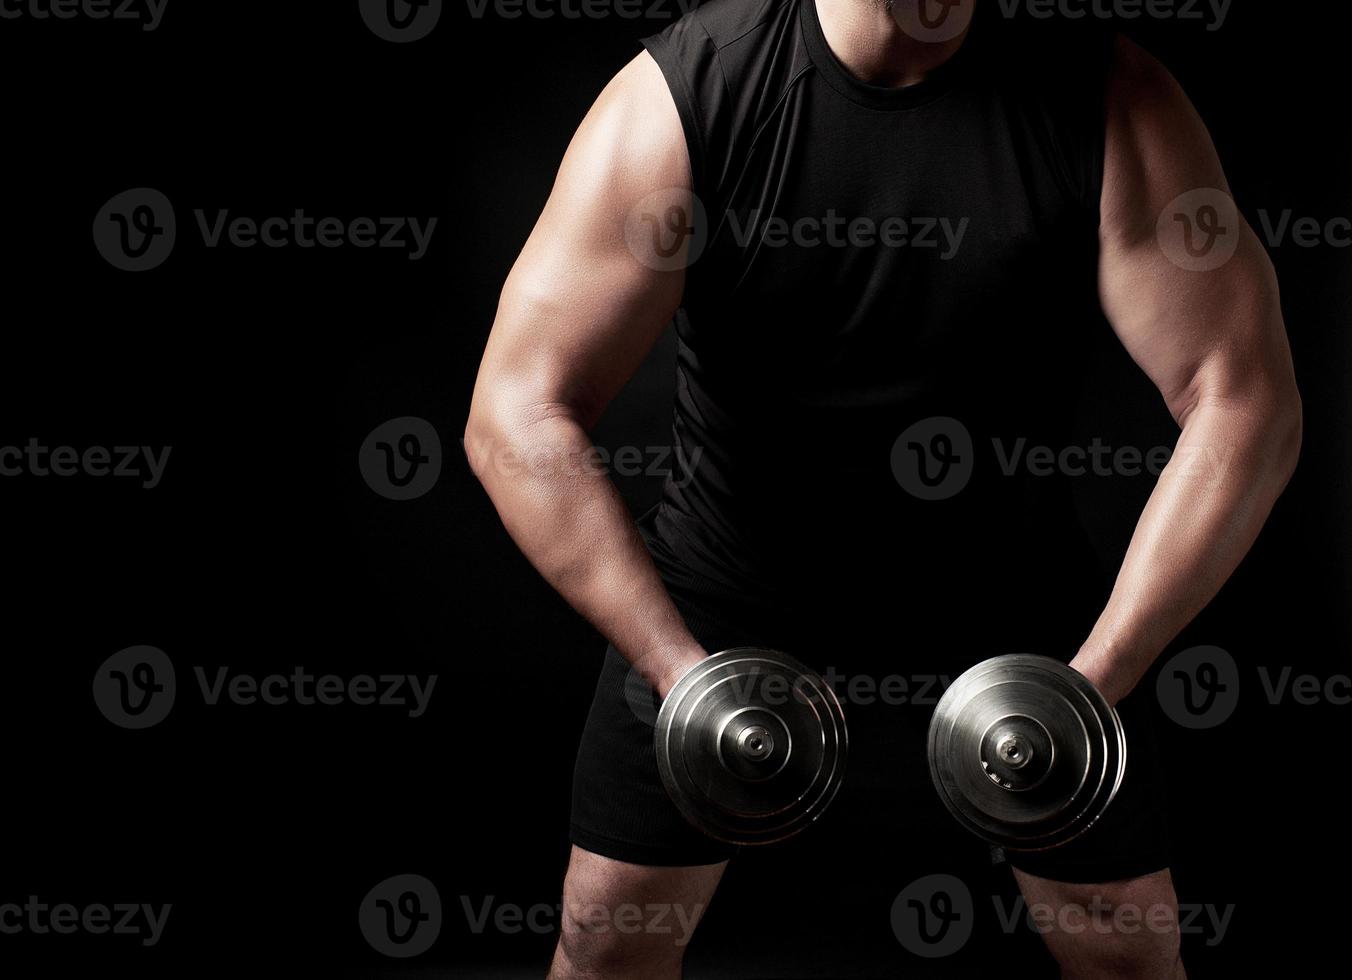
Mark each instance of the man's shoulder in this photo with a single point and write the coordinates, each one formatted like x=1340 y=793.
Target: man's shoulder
x=728 y=22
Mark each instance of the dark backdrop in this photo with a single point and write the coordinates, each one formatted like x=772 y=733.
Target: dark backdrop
x=263 y=547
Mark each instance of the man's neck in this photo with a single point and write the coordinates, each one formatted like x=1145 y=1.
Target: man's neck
x=867 y=38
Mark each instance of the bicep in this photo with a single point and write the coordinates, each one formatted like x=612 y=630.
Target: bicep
x=585 y=300
x=1184 y=280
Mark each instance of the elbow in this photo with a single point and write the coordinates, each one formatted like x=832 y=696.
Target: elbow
x=481 y=432
x=509 y=420
x=1280 y=429
x=1288 y=433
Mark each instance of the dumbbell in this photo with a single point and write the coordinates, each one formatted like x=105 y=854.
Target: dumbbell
x=1025 y=752
x=751 y=746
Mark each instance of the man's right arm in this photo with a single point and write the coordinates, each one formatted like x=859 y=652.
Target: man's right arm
x=579 y=311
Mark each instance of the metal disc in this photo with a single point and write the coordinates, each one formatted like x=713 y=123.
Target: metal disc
x=751 y=746
x=1025 y=752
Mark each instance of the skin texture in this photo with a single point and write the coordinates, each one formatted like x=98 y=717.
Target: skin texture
x=1124 y=930
x=579 y=311
x=604 y=933
x=1215 y=346
x=577 y=315
x=864 y=36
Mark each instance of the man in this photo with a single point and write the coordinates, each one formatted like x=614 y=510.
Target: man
x=888 y=234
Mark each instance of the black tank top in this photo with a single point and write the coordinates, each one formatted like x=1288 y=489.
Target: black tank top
x=881 y=263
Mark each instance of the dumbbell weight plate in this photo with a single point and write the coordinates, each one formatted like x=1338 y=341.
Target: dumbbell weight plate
x=751 y=746
x=1025 y=752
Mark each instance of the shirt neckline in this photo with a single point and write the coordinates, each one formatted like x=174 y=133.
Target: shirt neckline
x=934 y=85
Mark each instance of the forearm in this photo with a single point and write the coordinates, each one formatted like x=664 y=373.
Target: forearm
x=561 y=508
x=1232 y=461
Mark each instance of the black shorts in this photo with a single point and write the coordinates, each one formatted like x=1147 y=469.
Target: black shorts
x=621 y=810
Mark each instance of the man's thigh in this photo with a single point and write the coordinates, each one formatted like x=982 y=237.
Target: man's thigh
x=1117 y=929
x=625 y=920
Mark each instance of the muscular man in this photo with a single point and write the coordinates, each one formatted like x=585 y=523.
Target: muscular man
x=868 y=224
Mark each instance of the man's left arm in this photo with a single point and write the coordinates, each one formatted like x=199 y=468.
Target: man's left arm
x=1206 y=326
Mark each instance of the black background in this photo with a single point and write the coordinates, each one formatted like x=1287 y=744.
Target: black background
x=264 y=549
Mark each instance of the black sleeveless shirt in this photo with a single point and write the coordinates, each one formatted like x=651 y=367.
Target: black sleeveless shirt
x=892 y=295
